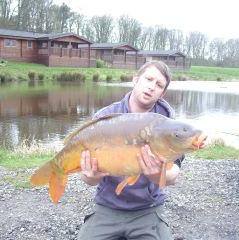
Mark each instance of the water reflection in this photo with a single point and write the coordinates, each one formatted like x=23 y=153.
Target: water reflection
x=49 y=116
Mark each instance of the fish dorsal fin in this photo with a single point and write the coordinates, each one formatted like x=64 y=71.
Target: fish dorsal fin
x=88 y=123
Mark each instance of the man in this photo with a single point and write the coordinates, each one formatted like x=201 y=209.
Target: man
x=137 y=213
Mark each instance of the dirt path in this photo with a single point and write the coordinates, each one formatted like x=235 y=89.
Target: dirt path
x=203 y=205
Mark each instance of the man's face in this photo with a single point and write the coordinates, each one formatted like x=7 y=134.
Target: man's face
x=149 y=87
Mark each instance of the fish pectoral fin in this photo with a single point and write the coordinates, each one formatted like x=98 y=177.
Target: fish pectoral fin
x=162 y=176
x=127 y=181
x=57 y=185
x=132 y=180
x=169 y=165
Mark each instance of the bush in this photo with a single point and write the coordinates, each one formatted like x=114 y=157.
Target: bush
x=96 y=77
x=41 y=76
x=125 y=78
x=6 y=78
x=182 y=78
x=3 y=63
x=32 y=76
x=100 y=63
x=109 y=78
x=70 y=77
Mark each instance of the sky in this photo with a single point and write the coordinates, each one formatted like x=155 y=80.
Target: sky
x=214 y=18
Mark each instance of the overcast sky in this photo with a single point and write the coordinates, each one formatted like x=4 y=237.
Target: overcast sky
x=215 y=18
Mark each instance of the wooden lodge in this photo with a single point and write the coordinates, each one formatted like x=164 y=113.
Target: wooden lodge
x=71 y=50
x=61 y=49
x=116 y=55
x=174 y=59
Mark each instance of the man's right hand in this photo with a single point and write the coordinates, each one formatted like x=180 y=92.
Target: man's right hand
x=89 y=169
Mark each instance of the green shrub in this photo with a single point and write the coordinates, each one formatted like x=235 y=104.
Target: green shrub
x=219 y=79
x=3 y=63
x=100 y=63
x=2 y=78
x=125 y=78
x=96 y=77
x=70 y=77
x=109 y=78
x=41 y=76
x=6 y=78
x=32 y=76
x=182 y=78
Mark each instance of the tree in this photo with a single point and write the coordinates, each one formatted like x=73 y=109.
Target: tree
x=175 y=40
x=64 y=15
x=129 y=30
x=102 y=27
x=160 y=38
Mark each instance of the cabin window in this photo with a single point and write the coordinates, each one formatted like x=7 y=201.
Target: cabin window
x=10 y=43
x=42 y=44
x=29 y=44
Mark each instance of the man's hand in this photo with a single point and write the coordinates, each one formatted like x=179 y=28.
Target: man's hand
x=89 y=169
x=151 y=167
x=150 y=164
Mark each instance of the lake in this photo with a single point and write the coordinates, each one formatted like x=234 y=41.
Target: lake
x=48 y=116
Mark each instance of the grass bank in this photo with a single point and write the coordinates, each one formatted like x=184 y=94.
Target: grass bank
x=208 y=74
x=20 y=71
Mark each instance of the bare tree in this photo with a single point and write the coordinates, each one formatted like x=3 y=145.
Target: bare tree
x=129 y=30
x=195 y=45
x=175 y=39
x=216 y=50
x=160 y=38
x=102 y=26
x=79 y=24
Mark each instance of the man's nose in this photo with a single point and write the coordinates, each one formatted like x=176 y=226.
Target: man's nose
x=152 y=85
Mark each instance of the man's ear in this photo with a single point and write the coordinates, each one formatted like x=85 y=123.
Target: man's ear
x=163 y=93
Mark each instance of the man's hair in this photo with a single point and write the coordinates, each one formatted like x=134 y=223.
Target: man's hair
x=161 y=66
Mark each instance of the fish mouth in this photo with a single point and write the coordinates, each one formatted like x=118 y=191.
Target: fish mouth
x=199 y=141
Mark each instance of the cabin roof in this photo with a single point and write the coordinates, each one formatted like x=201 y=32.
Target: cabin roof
x=146 y=53
x=38 y=36
x=113 y=46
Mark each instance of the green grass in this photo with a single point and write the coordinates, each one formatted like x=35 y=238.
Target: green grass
x=217 y=152
x=20 y=70
x=17 y=163
x=11 y=160
x=209 y=73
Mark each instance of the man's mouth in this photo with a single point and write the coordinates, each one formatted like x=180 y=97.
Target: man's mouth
x=147 y=94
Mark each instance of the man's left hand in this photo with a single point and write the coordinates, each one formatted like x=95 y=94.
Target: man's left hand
x=150 y=164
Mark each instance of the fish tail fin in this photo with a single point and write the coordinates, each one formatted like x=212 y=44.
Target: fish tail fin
x=42 y=175
x=57 y=185
x=51 y=174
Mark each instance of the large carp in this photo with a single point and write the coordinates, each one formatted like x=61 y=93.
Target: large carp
x=115 y=141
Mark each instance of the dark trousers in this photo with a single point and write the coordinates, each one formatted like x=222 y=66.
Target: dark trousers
x=110 y=224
